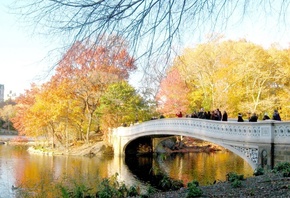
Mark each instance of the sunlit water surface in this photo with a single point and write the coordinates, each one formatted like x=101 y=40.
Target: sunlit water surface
x=40 y=173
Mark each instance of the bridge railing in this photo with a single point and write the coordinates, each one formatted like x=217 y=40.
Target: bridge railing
x=261 y=132
x=282 y=132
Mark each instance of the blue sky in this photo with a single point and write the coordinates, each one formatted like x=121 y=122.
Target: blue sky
x=21 y=55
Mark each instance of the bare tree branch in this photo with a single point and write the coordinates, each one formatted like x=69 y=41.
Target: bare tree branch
x=151 y=27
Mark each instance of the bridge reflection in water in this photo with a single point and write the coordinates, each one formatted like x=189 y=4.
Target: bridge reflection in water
x=203 y=167
x=262 y=143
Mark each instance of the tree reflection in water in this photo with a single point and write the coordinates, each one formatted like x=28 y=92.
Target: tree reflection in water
x=203 y=167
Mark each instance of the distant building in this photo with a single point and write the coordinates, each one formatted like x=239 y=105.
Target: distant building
x=1 y=93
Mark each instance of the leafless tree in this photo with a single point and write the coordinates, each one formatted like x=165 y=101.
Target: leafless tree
x=151 y=27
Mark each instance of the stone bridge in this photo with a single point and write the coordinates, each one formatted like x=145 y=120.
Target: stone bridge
x=264 y=143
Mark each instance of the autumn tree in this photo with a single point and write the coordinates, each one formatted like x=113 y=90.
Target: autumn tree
x=53 y=113
x=91 y=69
x=6 y=114
x=237 y=76
x=65 y=107
x=121 y=104
x=204 y=72
x=257 y=72
x=25 y=101
x=38 y=114
x=173 y=94
x=280 y=88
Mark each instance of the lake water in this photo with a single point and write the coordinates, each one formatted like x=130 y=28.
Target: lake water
x=39 y=173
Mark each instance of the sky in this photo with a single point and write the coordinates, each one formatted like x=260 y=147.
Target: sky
x=22 y=55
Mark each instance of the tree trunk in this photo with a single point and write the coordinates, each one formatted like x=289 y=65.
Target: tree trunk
x=89 y=127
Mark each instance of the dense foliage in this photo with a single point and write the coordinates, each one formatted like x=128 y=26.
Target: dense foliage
x=236 y=76
x=7 y=111
x=88 y=94
x=89 y=91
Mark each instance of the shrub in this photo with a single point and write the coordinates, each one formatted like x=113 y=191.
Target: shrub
x=165 y=183
x=176 y=184
x=133 y=191
x=259 y=171
x=235 y=179
x=284 y=168
x=64 y=192
x=236 y=183
x=106 y=190
x=79 y=190
x=233 y=176
x=112 y=188
x=193 y=183
x=151 y=190
x=193 y=189
x=123 y=190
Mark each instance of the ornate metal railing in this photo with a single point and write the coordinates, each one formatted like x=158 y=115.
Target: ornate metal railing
x=261 y=132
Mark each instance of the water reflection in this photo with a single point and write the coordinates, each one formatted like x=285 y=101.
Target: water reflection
x=203 y=167
x=39 y=173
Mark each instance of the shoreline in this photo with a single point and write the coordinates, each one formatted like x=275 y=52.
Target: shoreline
x=267 y=185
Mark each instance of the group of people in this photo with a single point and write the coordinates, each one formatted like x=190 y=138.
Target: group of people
x=254 y=117
x=219 y=116
x=202 y=114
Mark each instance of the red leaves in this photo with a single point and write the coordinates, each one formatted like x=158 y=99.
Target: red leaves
x=73 y=93
x=173 y=94
x=84 y=58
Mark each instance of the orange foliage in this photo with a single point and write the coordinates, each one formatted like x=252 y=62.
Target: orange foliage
x=173 y=94
x=24 y=102
x=70 y=98
x=85 y=58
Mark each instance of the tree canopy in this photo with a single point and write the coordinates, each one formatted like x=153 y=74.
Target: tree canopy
x=75 y=102
x=236 y=76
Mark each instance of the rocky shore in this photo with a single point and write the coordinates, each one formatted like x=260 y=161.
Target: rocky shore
x=270 y=185
x=88 y=150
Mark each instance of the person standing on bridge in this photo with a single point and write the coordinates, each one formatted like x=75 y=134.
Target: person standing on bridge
x=240 y=118
x=276 y=115
x=194 y=115
x=253 y=118
x=225 y=116
x=201 y=114
x=266 y=117
x=219 y=113
x=179 y=114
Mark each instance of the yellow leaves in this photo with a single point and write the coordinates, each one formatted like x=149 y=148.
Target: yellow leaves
x=68 y=102
x=233 y=75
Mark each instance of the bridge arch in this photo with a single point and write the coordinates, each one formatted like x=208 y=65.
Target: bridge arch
x=235 y=149
x=247 y=139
